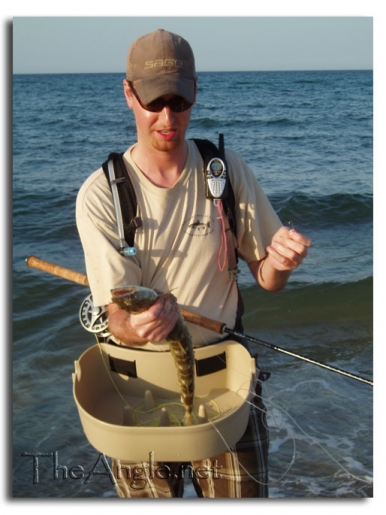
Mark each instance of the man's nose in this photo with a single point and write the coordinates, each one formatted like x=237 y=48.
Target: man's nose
x=166 y=115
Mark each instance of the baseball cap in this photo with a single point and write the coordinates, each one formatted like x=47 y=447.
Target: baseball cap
x=161 y=63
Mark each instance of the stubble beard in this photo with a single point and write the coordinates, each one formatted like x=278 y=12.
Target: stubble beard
x=167 y=146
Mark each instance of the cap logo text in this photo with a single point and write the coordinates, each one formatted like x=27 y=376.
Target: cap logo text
x=160 y=63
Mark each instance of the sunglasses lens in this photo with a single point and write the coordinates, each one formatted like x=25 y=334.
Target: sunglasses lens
x=179 y=104
x=176 y=104
x=156 y=106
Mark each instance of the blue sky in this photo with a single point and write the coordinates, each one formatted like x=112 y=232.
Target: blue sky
x=57 y=44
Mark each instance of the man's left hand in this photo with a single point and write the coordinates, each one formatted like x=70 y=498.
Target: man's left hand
x=288 y=249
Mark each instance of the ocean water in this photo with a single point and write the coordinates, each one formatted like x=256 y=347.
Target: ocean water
x=308 y=137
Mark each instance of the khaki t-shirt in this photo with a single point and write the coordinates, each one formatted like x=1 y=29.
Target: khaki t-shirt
x=179 y=245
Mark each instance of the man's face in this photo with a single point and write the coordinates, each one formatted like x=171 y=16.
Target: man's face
x=163 y=131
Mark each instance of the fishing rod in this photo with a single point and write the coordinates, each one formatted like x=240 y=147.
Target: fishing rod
x=207 y=323
x=221 y=328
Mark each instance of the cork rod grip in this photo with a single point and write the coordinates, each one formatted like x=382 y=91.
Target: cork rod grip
x=65 y=273
x=77 y=277
x=208 y=323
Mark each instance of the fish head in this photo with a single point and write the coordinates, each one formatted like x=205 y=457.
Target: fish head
x=134 y=299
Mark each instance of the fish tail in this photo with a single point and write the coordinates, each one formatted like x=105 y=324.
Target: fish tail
x=180 y=345
x=137 y=299
x=187 y=420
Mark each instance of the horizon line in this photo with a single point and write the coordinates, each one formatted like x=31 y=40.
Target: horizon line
x=207 y=71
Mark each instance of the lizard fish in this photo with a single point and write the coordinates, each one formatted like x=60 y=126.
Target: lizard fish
x=136 y=299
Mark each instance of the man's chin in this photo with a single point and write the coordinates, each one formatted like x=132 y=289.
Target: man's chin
x=167 y=146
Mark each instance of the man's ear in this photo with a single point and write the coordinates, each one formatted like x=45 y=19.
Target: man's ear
x=128 y=94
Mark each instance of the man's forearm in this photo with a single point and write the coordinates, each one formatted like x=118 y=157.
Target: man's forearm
x=269 y=277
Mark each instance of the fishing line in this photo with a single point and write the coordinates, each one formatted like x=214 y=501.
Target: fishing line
x=342 y=467
x=126 y=403
x=271 y=404
x=109 y=373
x=139 y=409
x=312 y=439
x=290 y=224
x=234 y=454
x=32 y=261
x=307 y=435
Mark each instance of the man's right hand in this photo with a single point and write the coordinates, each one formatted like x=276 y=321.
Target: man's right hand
x=152 y=325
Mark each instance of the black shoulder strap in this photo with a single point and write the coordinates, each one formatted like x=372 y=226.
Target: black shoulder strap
x=128 y=200
x=127 y=196
x=208 y=151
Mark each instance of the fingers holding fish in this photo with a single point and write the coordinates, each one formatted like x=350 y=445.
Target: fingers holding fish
x=157 y=321
x=137 y=321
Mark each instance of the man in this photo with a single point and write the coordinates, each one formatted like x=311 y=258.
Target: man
x=179 y=246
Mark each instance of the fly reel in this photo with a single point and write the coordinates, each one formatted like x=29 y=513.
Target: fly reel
x=93 y=319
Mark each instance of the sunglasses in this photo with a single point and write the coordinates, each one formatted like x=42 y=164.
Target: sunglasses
x=176 y=104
